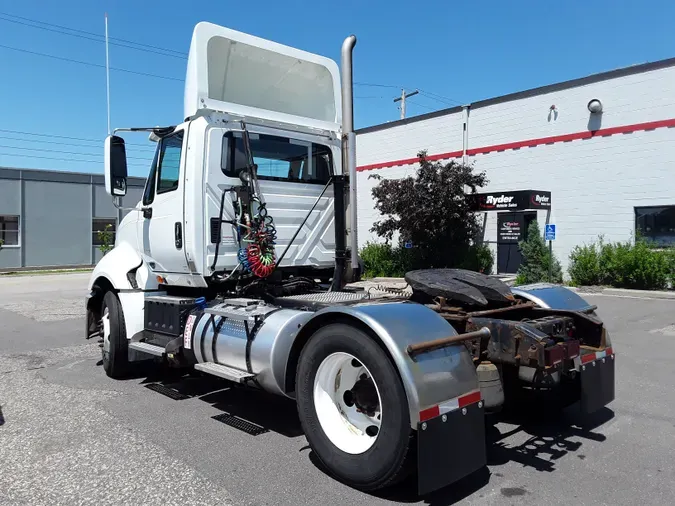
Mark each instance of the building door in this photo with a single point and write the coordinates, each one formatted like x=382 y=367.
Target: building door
x=511 y=228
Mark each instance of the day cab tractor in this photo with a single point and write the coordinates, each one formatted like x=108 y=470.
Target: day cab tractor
x=238 y=261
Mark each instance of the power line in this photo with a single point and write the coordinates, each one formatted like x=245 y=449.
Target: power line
x=440 y=98
x=65 y=159
x=65 y=137
x=60 y=143
x=434 y=96
x=376 y=85
x=65 y=152
x=92 y=36
x=422 y=105
x=90 y=64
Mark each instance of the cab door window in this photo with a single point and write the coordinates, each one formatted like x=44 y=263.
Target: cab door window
x=168 y=173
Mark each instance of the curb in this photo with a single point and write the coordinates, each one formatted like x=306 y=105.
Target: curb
x=625 y=292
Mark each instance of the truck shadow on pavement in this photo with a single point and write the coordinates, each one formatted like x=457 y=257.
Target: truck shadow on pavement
x=528 y=438
x=246 y=407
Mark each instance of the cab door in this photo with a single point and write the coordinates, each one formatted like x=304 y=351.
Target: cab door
x=161 y=224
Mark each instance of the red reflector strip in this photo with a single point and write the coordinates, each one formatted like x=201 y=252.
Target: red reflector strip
x=590 y=357
x=429 y=413
x=609 y=351
x=471 y=398
x=450 y=405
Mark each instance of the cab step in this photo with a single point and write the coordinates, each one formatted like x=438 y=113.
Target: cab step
x=150 y=349
x=222 y=371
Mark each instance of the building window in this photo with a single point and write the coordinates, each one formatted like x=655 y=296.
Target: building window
x=99 y=226
x=9 y=230
x=656 y=224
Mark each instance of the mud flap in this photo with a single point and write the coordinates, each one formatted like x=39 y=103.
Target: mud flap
x=597 y=384
x=447 y=451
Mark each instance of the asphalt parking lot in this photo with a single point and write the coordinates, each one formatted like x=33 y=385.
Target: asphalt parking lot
x=73 y=436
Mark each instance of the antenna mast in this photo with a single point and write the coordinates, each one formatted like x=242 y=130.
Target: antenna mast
x=107 y=71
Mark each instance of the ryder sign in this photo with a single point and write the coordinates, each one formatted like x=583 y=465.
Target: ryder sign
x=520 y=200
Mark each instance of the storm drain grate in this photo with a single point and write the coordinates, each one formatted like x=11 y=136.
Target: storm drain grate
x=169 y=392
x=248 y=427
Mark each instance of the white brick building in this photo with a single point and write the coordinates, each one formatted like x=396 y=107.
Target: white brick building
x=608 y=173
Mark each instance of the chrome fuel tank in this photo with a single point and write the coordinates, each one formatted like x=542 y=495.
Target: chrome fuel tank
x=250 y=336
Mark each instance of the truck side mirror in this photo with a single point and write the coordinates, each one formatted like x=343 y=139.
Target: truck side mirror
x=115 y=166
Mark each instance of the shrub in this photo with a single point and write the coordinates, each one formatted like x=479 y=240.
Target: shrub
x=584 y=267
x=379 y=260
x=432 y=210
x=383 y=260
x=536 y=259
x=623 y=265
x=106 y=238
x=479 y=258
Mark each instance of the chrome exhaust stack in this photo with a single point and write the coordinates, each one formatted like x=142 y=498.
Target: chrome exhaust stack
x=349 y=148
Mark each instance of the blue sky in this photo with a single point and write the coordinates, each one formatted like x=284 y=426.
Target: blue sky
x=456 y=52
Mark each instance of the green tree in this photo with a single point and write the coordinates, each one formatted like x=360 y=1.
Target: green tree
x=433 y=211
x=106 y=239
x=536 y=259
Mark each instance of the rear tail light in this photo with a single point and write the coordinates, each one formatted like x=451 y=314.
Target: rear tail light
x=572 y=349
x=554 y=355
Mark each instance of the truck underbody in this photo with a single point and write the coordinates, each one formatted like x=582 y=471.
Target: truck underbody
x=499 y=347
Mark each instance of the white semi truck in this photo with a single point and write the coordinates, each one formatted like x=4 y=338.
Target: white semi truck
x=235 y=264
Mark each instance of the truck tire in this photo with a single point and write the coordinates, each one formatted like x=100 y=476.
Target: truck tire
x=115 y=344
x=344 y=381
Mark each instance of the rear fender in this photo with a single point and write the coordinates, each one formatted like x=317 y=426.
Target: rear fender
x=552 y=296
x=431 y=378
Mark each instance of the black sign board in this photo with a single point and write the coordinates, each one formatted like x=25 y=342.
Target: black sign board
x=510 y=227
x=520 y=200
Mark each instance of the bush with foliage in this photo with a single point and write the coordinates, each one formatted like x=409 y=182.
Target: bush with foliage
x=479 y=258
x=536 y=259
x=384 y=260
x=623 y=264
x=433 y=211
x=379 y=261
x=106 y=239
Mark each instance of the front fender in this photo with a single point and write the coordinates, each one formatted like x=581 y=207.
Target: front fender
x=115 y=265
x=431 y=378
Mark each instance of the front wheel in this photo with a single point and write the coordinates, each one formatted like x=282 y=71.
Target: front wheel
x=353 y=408
x=115 y=344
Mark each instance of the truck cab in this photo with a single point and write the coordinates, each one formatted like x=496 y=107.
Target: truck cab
x=290 y=105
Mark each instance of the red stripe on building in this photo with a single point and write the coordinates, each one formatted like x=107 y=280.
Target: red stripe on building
x=603 y=132
x=410 y=161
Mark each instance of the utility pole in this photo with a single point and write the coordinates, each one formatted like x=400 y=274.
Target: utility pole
x=402 y=100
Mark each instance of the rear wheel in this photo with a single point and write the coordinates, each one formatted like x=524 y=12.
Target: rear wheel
x=353 y=408
x=115 y=344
